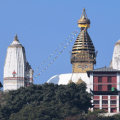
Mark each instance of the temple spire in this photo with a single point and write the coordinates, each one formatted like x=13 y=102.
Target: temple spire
x=84 y=21
x=84 y=15
x=16 y=38
x=83 y=55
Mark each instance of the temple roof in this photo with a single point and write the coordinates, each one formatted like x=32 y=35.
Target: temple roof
x=15 y=42
x=83 y=42
x=83 y=45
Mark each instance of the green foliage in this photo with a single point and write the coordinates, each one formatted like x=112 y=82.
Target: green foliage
x=116 y=117
x=46 y=102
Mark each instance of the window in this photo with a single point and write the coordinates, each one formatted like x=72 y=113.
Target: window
x=13 y=75
x=99 y=87
x=109 y=87
x=99 y=79
x=96 y=102
x=109 y=79
x=113 y=102
x=104 y=102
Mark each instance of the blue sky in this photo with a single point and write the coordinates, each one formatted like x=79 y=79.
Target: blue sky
x=42 y=25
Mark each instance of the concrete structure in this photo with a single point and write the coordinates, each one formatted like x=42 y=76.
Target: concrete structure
x=17 y=71
x=106 y=89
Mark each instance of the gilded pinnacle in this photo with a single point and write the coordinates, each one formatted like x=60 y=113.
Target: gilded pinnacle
x=83 y=14
x=16 y=38
x=84 y=21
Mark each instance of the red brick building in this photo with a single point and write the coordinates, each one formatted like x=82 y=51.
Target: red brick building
x=104 y=84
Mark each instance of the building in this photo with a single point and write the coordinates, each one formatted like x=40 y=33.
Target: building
x=17 y=71
x=104 y=84
x=83 y=56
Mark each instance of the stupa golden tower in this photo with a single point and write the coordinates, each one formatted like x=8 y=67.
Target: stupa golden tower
x=83 y=52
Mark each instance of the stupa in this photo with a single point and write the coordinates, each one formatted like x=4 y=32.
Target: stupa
x=83 y=57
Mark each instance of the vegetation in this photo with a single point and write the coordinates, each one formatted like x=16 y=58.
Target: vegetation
x=95 y=115
x=45 y=102
x=49 y=102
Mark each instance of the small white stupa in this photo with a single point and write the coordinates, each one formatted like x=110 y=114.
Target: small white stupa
x=17 y=71
x=115 y=62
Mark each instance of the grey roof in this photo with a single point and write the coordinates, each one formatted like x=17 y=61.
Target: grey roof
x=104 y=69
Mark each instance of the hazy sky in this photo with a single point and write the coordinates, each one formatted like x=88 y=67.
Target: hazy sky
x=42 y=25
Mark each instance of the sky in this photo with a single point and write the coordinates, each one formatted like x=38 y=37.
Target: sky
x=43 y=25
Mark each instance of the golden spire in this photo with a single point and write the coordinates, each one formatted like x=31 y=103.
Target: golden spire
x=84 y=21
x=83 y=51
x=84 y=15
x=16 y=38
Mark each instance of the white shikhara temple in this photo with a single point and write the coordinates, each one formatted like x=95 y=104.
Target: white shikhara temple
x=115 y=62
x=17 y=71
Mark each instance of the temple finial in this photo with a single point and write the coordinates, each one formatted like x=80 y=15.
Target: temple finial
x=84 y=15
x=83 y=9
x=84 y=21
x=16 y=38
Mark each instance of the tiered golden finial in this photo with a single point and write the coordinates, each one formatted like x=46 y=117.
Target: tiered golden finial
x=16 y=38
x=84 y=21
x=83 y=52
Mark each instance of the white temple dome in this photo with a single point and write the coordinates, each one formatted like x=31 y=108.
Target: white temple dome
x=64 y=79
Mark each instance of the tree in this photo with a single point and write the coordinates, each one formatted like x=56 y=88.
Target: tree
x=47 y=101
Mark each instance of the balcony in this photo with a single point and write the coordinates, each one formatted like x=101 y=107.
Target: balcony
x=105 y=92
